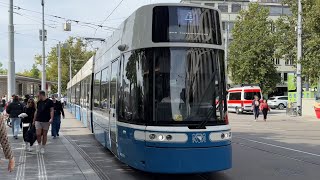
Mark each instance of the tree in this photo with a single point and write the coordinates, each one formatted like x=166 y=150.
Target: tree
x=287 y=38
x=79 y=53
x=34 y=72
x=252 y=50
x=2 y=70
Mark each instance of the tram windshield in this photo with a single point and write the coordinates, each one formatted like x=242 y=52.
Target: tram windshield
x=189 y=86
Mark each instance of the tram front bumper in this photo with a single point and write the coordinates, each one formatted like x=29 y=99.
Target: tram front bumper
x=188 y=160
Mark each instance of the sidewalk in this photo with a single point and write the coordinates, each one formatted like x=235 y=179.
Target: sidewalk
x=61 y=160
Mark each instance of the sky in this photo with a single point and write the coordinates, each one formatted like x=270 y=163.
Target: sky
x=28 y=22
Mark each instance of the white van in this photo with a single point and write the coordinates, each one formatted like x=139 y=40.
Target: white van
x=240 y=98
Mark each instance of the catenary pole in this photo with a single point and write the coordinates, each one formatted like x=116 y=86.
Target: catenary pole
x=11 y=63
x=43 y=80
x=299 y=57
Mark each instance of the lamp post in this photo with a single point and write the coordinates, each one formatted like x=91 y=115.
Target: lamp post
x=11 y=63
x=43 y=34
x=299 y=57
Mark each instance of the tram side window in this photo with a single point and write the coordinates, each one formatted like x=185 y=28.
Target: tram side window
x=134 y=87
x=235 y=96
x=96 y=90
x=82 y=92
x=78 y=93
x=88 y=92
x=105 y=101
x=113 y=84
x=73 y=95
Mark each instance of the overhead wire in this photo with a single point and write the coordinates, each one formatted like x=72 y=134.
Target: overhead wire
x=108 y=16
x=59 y=17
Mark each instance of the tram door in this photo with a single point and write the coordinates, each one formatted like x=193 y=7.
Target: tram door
x=113 y=111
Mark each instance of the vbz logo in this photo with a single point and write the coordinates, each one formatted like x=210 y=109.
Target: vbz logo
x=199 y=138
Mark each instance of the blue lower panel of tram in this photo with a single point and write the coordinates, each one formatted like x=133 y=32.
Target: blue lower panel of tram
x=84 y=117
x=78 y=112
x=174 y=158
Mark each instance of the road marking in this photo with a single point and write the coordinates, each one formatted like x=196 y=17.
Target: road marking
x=22 y=164
x=282 y=147
x=42 y=172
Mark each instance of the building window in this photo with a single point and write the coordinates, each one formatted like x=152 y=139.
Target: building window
x=289 y=62
x=223 y=7
x=279 y=74
x=287 y=11
x=285 y=77
x=277 y=61
x=224 y=25
x=235 y=8
x=210 y=4
x=275 y=10
x=231 y=26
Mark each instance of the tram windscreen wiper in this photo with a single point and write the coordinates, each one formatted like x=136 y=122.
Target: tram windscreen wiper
x=212 y=112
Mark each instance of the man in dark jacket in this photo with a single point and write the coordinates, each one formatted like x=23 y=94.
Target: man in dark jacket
x=14 y=109
x=58 y=110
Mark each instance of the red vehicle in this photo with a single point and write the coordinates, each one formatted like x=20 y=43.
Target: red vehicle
x=240 y=98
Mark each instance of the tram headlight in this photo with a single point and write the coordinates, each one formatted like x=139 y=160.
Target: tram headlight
x=152 y=136
x=230 y=134
x=161 y=137
x=169 y=137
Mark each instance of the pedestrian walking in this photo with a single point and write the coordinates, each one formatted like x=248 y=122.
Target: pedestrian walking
x=6 y=148
x=62 y=100
x=255 y=107
x=264 y=107
x=14 y=109
x=42 y=119
x=58 y=110
x=30 y=110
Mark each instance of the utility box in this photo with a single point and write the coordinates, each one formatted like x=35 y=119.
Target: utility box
x=67 y=26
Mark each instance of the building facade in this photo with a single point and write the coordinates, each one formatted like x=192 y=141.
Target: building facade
x=24 y=85
x=230 y=10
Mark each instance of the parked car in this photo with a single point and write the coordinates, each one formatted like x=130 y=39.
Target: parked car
x=279 y=102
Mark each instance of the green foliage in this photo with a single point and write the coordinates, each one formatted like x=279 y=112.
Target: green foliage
x=34 y=72
x=2 y=70
x=287 y=38
x=80 y=55
x=252 y=50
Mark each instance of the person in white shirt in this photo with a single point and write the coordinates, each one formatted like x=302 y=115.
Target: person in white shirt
x=62 y=101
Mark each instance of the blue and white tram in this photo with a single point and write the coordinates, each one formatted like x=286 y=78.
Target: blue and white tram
x=158 y=91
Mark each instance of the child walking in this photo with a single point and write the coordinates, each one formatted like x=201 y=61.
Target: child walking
x=264 y=107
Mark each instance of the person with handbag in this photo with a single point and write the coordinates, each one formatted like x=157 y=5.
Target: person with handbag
x=6 y=148
x=14 y=109
x=29 y=109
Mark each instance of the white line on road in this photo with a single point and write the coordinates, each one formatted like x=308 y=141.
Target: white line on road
x=282 y=147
